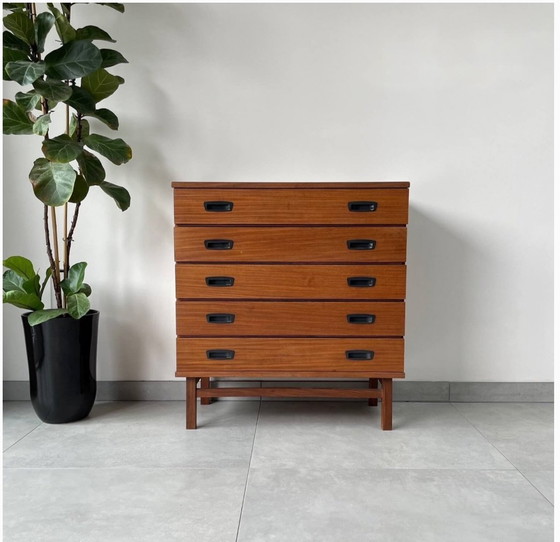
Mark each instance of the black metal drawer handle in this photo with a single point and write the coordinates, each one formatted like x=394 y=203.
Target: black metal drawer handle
x=360 y=244
x=218 y=244
x=361 y=282
x=220 y=354
x=219 y=281
x=362 y=206
x=357 y=355
x=218 y=206
x=360 y=318
x=220 y=318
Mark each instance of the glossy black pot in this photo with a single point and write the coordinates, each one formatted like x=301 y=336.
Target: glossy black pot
x=62 y=357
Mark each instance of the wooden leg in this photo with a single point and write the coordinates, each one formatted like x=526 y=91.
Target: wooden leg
x=191 y=403
x=387 y=404
x=373 y=384
x=205 y=385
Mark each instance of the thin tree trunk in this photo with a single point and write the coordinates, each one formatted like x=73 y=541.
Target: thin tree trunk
x=71 y=232
x=56 y=270
x=55 y=276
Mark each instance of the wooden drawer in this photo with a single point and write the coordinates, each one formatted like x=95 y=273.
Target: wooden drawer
x=261 y=356
x=271 y=281
x=291 y=206
x=294 y=318
x=290 y=244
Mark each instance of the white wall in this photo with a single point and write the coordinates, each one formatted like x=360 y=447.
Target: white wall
x=455 y=97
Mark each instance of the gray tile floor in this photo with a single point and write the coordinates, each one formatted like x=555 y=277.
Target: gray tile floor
x=281 y=471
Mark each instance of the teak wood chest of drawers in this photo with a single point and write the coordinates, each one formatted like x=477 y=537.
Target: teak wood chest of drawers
x=290 y=280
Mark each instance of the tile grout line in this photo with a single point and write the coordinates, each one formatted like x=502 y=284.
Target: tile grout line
x=502 y=454
x=248 y=470
x=20 y=439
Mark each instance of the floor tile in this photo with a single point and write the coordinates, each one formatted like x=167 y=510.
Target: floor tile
x=523 y=432
x=143 y=435
x=332 y=435
x=285 y=505
x=543 y=480
x=19 y=419
x=122 y=505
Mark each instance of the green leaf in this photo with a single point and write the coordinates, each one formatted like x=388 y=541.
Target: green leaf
x=12 y=281
x=76 y=275
x=75 y=279
x=81 y=100
x=111 y=58
x=10 y=41
x=73 y=124
x=91 y=168
x=48 y=275
x=53 y=89
x=85 y=289
x=43 y=24
x=107 y=117
x=25 y=72
x=118 y=7
x=53 y=183
x=93 y=33
x=28 y=100
x=52 y=105
x=21 y=26
x=32 y=286
x=11 y=55
x=119 y=194
x=78 y=305
x=16 y=120
x=72 y=60
x=23 y=300
x=61 y=149
x=13 y=6
x=100 y=84
x=41 y=126
x=66 y=9
x=65 y=31
x=115 y=150
x=20 y=265
x=38 y=317
x=81 y=189
x=84 y=132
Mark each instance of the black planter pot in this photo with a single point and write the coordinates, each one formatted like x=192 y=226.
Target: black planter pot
x=62 y=356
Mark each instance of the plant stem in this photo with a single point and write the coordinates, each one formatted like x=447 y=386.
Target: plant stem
x=56 y=270
x=66 y=264
x=71 y=232
x=55 y=276
x=54 y=261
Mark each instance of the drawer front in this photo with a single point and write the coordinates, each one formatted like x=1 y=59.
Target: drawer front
x=293 y=318
x=290 y=244
x=345 y=356
x=222 y=281
x=291 y=206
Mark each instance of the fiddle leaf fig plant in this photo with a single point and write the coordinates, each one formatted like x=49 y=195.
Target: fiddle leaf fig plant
x=69 y=80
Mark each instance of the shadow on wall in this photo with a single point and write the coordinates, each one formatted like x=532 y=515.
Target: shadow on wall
x=136 y=316
x=438 y=304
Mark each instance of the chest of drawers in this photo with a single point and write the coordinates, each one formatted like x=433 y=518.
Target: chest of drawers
x=290 y=280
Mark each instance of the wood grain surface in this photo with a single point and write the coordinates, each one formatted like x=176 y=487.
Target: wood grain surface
x=298 y=206
x=294 y=318
x=289 y=185
x=290 y=244
x=358 y=393
x=287 y=355
x=269 y=281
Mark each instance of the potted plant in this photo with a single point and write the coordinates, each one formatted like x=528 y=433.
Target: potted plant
x=69 y=80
